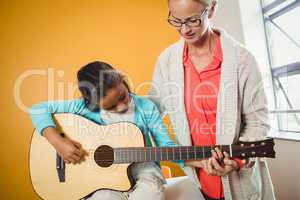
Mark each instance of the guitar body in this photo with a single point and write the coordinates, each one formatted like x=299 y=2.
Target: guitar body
x=86 y=177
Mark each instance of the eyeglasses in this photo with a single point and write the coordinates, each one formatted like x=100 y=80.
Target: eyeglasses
x=190 y=22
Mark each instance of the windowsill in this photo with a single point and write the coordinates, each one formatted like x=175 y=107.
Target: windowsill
x=285 y=135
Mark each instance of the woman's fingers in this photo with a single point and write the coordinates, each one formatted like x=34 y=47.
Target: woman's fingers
x=214 y=154
x=216 y=165
x=230 y=162
x=220 y=154
x=210 y=168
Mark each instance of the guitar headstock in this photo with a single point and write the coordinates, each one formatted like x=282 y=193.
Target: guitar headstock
x=261 y=148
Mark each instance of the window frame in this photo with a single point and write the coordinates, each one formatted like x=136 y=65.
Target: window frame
x=277 y=72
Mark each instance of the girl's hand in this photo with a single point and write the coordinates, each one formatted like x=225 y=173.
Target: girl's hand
x=70 y=151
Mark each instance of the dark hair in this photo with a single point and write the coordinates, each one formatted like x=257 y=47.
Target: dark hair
x=95 y=79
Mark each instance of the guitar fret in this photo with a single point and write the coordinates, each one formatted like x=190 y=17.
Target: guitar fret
x=187 y=153
x=167 y=151
x=173 y=153
x=180 y=154
x=124 y=154
x=116 y=156
x=140 y=155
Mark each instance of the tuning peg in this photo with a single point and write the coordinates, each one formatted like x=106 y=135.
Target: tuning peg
x=243 y=139
x=262 y=159
x=252 y=139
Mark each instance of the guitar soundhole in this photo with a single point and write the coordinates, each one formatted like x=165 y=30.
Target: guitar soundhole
x=104 y=156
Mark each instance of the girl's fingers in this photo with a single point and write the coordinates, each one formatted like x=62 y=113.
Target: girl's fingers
x=75 y=158
x=77 y=144
x=67 y=161
x=78 y=152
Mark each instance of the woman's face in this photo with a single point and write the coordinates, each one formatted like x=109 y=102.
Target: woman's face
x=189 y=10
x=116 y=99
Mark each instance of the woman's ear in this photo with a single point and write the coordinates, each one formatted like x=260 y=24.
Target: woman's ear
x=212 y=9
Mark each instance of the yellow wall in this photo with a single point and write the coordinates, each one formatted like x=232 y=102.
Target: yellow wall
x=64 y=35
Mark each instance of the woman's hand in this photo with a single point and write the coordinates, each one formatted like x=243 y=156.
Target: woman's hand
x=197 y=163
x=220 y=164
x=70 y=151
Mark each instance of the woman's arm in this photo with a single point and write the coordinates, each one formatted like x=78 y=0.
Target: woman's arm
x=156 y=92
x=254 y=109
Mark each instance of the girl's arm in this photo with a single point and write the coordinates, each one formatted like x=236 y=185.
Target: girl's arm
x=158 y=129
x=41 y=115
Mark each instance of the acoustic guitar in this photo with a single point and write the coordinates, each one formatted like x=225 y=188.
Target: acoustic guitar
x=111 y=149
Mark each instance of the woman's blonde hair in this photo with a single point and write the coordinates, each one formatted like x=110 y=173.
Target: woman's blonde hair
x=206 y=2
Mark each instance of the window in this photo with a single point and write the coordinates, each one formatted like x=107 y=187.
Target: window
x=281 y=19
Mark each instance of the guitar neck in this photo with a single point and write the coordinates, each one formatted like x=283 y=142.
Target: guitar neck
x=148 y=154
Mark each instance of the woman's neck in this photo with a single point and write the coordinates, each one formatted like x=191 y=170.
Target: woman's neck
x=205 y=44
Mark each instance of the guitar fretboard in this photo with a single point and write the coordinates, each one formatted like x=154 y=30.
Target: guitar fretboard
x=147 y=154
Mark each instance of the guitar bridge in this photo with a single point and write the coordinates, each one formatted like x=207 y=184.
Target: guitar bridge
x=60 y=166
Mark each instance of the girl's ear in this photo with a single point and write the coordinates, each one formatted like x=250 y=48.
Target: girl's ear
x=212 y=9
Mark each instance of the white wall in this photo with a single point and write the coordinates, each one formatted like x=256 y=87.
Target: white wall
x=228 y=18
x=285 y=170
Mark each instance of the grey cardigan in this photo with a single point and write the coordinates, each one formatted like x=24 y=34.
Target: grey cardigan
x=241 y=111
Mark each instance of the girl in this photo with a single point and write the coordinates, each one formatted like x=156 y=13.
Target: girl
x=106 y=98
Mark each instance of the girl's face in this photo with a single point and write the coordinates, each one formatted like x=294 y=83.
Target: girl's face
x=116 y=99
x=189 y=11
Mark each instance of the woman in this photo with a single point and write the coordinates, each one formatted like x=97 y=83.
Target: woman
x=207 y=83
x=106 y=99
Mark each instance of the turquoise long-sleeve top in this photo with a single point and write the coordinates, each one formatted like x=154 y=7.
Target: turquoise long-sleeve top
x=146 y=117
